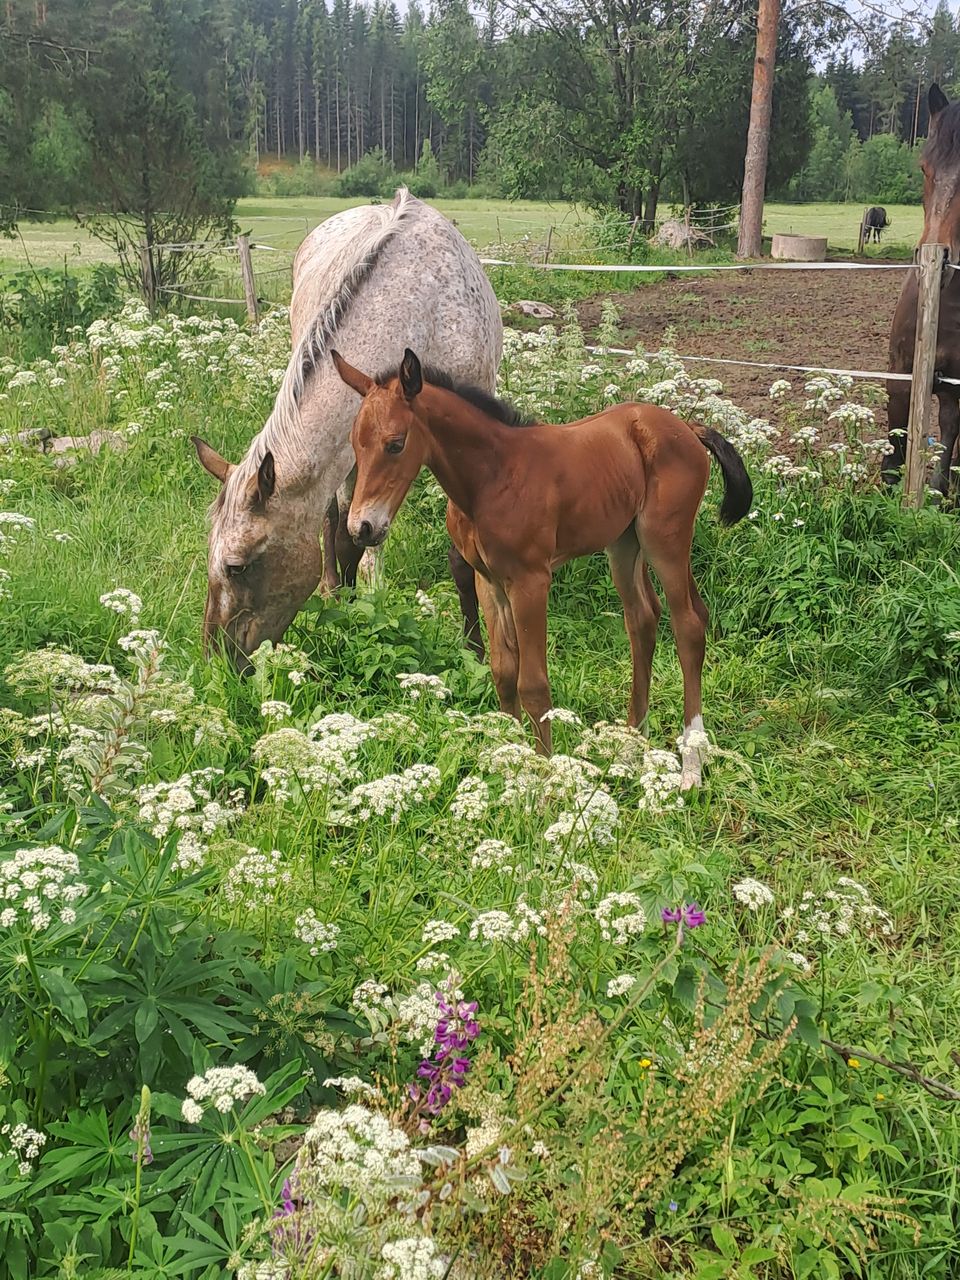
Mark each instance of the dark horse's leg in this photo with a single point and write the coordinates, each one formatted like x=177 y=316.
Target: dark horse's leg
x=949 y=430
x=898 y=410
x=466 y=582
x=331 y=522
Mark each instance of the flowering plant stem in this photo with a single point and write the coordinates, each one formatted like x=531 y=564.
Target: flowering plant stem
x=265 y=1200
x=142 y=1131
x=44 y=1036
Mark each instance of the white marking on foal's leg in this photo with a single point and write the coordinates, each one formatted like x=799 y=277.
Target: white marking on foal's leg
x=691 y=744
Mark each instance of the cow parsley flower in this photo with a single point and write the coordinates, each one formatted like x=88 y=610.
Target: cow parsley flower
x=317 y=935
x=752 y=894
x=223 y=1087
x=39 y=886
x=276 y=709
x=594 y=820
x=620 y=917
x=126 y=603
x=416 y=684
x=471 y=800
x=27 y=1143
x=620 y=985
x=256 y=879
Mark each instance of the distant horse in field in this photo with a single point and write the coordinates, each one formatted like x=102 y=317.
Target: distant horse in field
x=526 y=497
x=378 y=278
x=940 y=161
x=875 y=220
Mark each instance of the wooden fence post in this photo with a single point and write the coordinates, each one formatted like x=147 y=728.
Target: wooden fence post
x=249 y=281
x=932 y=257
x=863 y=228
x=633 y=232
x=147 y=278
x=546 y=252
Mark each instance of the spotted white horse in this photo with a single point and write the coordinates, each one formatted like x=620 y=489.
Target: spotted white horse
x=379 y=278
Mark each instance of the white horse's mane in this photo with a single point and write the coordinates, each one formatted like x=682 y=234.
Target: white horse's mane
x=348 y=261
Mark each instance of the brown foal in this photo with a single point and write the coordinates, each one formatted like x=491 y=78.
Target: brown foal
x=526 y=497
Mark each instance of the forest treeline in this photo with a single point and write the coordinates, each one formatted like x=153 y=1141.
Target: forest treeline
x=107 y=105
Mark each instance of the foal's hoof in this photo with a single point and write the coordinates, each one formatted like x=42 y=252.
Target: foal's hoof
x=691 y=775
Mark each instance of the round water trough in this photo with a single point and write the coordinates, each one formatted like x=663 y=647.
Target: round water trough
x=799 y=248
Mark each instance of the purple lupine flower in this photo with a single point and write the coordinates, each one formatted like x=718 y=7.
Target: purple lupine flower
x=447 y=1069
x=136 y=1134
x=693 y=917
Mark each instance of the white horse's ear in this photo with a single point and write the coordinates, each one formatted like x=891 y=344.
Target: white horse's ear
x=358 y=381
x=266 y=478
x=211 y=461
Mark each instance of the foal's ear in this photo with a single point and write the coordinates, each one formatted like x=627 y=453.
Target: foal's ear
x=411 y=375
x=266 y=479
x=937 y=100
x=358 y=381
x=211 y=461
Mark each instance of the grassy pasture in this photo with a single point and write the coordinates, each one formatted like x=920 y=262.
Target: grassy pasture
x=283 y=223
x=722 y=1102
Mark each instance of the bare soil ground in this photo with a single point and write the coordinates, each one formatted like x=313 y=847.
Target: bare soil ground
x=832 y=318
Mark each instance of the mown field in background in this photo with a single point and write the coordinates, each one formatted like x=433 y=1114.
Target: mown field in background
x=284 y=222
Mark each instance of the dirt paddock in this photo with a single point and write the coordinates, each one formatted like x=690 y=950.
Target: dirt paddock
x=832 y=318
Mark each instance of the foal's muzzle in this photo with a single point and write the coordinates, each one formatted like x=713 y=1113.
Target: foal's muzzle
x=369 y=531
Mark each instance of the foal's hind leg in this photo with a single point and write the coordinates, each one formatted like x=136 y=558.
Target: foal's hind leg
x=641 y=613
x=466 y=582
x=666 y=542
x=504 y=650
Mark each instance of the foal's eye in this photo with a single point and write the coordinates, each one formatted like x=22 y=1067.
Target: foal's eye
x=235 y=570
x=396 y=445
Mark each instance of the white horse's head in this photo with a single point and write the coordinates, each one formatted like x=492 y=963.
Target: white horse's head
x=264 y=555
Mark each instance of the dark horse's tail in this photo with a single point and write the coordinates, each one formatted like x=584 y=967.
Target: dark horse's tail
x=737 y=486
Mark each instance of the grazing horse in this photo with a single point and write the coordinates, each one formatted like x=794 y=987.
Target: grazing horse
x=523 y=501
x=376 y=276
x=875 y=220
x=940 y=161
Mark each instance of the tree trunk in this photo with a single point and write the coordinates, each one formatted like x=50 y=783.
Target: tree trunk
x=650 y=207
x=749 y=244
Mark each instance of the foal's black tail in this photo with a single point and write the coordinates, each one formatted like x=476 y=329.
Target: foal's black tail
x=737 y=486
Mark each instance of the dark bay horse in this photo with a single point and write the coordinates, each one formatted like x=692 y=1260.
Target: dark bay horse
x=875 y=220
x=940 y=161
x=522 y=501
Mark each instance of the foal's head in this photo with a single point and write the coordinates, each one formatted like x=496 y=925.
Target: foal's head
x=940 y=161
x=389 y=449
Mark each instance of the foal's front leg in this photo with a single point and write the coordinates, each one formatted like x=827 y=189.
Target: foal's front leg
x=528 y=603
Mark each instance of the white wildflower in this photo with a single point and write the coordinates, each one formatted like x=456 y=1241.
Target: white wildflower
x=620 y=985
x=620 y=917
x=416 y=684
x=317 y=935
x=276 y=709
x=751 y=893
x=124 y=602
x=439 y=931
x=471 y=800
x=223 y=1086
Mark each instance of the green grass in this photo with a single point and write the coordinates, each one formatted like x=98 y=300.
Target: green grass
x=283 y=223
x=831 y=687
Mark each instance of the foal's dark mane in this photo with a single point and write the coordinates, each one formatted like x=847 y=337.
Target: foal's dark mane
x=493 y=407
x=944 y=145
